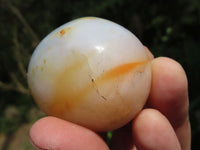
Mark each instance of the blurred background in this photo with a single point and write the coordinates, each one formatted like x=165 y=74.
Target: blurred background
x=167 y=28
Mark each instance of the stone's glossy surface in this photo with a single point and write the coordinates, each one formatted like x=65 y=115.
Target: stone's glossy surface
x=92 y=72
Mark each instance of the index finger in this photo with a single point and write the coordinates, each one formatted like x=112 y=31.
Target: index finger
x=169 y=95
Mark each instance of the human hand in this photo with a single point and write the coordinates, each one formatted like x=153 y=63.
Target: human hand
x=163 y=124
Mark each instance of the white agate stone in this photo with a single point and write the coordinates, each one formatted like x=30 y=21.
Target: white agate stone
x=91 y=72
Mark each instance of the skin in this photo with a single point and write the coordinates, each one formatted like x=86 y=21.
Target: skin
x=162 y=124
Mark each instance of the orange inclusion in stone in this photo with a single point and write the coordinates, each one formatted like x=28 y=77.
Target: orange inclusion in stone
x=65 y=100
x=120 y=70
x=64 y=31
